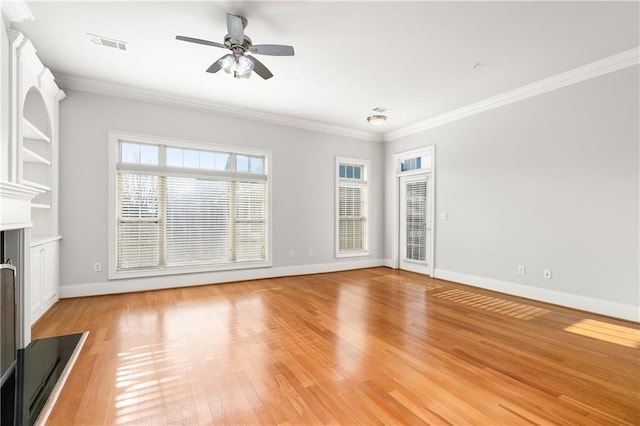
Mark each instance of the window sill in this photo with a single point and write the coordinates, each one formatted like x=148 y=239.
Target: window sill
x=353 y=254
x=177 y=270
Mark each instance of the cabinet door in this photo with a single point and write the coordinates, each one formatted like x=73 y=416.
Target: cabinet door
x=37 y=259
x=50 y=269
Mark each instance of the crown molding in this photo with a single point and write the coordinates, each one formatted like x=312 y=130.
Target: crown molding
x=622 y=60
x=68 y=81
x=16 y=11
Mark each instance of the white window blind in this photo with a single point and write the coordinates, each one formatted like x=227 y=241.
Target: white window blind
x=416 y=220
x=352 y=222
x=189 y=208
x=351 y=207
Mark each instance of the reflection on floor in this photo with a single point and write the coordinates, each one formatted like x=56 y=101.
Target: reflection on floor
x=38 y=369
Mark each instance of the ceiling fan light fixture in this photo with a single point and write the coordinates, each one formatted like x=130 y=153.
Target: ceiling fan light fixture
x=244 y=66
x=240 y=67
x=376 y=119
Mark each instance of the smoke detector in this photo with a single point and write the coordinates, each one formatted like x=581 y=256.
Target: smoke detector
x=107 y=42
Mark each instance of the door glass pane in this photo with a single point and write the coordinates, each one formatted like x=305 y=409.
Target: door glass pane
x=416 y=220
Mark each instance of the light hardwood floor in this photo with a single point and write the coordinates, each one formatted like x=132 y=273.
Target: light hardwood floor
x=370 y=346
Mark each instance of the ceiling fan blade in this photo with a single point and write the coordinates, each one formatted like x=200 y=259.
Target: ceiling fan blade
x=199 y=41
x=215 y=67
x=235 y=27
x=260 y=69
x=272 y=49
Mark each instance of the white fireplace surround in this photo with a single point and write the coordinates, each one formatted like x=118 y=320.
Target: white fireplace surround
x=15 y=219
x=28 y=172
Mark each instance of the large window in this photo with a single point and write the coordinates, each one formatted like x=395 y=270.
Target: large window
x=182 y=207
x=352 y=227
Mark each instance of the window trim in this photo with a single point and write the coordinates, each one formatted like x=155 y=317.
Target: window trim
x=361 y=183
x=117 y=136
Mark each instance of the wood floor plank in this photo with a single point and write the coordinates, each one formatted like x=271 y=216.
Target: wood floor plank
x=371 y=346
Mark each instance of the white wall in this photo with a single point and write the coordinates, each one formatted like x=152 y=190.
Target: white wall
x=548 y=182
x=4 y=101
x=303 y=188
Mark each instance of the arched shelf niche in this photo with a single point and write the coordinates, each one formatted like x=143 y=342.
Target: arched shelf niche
x=37 y=160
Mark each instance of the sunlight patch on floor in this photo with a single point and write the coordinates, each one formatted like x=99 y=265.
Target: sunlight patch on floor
x=493 y=304
x=612 y=333
x=408 y=283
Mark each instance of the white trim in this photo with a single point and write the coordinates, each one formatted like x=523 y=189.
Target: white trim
x=590 y=304
x=622 y=60
x=156 y=283
x=102 y=88
x=43 y=308
x=364 y=183
x=17 y=11
x=115 y=137
x=395 y=196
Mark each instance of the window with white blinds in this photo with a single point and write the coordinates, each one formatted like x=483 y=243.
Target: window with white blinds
x=188 y=208
x=352 y=227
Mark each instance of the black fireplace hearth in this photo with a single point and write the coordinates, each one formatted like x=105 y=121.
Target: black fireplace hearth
x=33 y=385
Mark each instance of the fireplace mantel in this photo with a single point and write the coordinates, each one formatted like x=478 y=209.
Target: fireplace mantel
x=15 y=206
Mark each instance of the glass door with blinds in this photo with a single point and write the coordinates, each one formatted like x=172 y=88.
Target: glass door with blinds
x=415 y=224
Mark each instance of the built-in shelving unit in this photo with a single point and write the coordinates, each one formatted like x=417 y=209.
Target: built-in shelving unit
x=38 y=168
x=29 y=131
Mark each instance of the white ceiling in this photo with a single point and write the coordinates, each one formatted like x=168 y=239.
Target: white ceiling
x=416 y=58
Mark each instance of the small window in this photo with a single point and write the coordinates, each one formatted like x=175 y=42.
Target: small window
x=136 y=153
x=196 y=159
x=352 y=226
x=416 y=163
x=249 y=164
x=350 y=171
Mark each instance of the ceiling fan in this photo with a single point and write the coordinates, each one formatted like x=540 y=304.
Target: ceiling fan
x=238 y=62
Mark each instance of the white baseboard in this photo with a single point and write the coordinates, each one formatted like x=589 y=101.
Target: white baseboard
x=590 y=304
x=186 y=280
x=388 y=263
x=42 y=309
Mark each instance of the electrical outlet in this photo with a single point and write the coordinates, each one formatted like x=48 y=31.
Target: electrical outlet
x=547 y=274
x=522 y=270
x=444 y=216
x=97 y=267
x=292 y=253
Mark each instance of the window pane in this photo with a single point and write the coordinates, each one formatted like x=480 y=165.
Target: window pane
x=222 y=161
x=191 y=159
x=357 y=173
x=175 y=157
x=343 y=171
x=256 y=165
x=242 y=163
x=207 y=160
x=251 y=231
x=349 y=172
x=148 y=154
x=138 y=233
x=129 y=153
x=249 y=164
x=197 y=220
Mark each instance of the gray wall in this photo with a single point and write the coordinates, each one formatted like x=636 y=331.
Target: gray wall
x=548 y=182
x=303 y=183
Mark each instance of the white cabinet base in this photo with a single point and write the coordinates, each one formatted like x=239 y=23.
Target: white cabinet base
x=44 y=277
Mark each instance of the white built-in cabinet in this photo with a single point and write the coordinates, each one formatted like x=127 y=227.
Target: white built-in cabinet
x=37 y=100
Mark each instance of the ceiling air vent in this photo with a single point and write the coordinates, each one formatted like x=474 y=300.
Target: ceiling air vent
x=107 y=42
x=381 y=109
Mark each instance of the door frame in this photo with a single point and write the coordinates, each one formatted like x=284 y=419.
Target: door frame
x=397 y=159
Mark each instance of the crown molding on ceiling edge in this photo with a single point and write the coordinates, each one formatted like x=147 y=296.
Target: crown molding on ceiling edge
x=622 y=60
x=16 y=10
x=604 y=66
x=68 y=81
